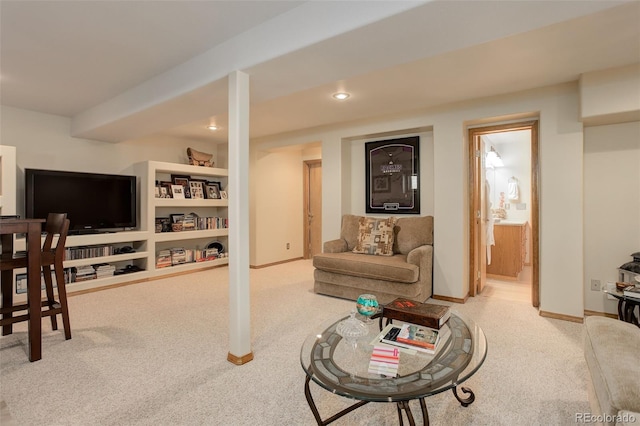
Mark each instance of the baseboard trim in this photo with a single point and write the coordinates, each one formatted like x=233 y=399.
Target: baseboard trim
x=561 y=316
x=266 y=265
x=239 y=360
x=451 y=299
x=599 y=314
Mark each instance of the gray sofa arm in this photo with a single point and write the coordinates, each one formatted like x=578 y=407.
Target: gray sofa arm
x=422 y=257
x=335 y=246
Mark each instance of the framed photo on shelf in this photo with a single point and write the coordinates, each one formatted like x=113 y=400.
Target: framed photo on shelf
x=213 y=190
x=177 y=191
x=184 y=181
x=176 y=217
x=223 y=195
x=165 y=189
x=197 y=189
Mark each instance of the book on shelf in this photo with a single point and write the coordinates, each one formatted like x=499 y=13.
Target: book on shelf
x=390 y=333
x=632 y=292
x=426 y=314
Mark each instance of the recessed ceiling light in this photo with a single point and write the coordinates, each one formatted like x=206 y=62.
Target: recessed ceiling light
x=341 y=96
x=212 y=127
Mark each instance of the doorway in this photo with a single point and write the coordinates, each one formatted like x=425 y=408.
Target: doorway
x=312 y=172
x=504 y=203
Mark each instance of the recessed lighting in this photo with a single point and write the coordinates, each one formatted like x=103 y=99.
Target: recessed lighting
x=341 y=96
x=212 y=127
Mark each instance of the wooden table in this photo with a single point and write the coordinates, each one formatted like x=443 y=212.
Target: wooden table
x=32 y=228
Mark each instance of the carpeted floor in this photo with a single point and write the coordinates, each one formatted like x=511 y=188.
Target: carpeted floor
x=155 y=354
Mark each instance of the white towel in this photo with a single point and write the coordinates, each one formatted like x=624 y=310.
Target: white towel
x=513 y=193
x=488 y=216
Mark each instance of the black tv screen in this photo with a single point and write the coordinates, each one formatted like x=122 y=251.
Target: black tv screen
x=92 y=201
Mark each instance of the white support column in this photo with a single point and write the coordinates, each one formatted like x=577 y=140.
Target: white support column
x=239 y=303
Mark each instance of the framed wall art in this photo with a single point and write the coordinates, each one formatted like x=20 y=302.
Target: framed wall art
x=393 y=176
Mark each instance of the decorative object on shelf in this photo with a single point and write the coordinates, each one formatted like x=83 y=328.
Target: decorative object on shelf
x=198 y=158
x=216 y=245
x=223 y=195
x=367 y=306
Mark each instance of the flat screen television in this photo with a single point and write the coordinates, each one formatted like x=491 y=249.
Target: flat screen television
x=93 y=202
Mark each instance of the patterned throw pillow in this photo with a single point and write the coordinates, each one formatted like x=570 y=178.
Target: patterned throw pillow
x=375 y=236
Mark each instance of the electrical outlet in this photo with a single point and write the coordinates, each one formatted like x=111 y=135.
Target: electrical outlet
x=288 y=246
x=596 y=285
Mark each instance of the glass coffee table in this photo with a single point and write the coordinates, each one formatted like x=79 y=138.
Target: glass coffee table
x=342 y=369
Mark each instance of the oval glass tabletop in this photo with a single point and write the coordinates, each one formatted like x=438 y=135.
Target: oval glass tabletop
x=342 y=367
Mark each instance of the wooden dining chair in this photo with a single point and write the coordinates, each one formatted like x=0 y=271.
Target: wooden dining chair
x=57 y=224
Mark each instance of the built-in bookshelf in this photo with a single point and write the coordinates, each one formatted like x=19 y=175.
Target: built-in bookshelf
x=132 y=254
x=193 y=223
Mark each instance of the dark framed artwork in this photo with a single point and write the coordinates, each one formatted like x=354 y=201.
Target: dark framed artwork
x=393 y=176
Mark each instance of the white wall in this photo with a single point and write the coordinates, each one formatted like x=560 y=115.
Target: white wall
x=277 y=205
x=610 y=95
x=43 y=141
x=611 y=205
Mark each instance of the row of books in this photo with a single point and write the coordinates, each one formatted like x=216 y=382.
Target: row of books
x=86 y=252
x=179 y=256
x=92 y=272
x=178 y=223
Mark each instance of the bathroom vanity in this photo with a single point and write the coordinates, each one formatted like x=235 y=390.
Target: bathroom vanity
x=509 y=253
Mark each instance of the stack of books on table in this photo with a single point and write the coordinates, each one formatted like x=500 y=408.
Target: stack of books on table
x=424 y=325
x=415 y=337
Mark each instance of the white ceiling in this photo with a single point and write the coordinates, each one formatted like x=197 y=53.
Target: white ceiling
x=135 y=69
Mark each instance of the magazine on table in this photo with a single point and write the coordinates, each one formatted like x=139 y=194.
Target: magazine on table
x=390 y=333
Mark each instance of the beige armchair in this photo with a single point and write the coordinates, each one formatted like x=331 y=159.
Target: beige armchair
x=406 y=272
